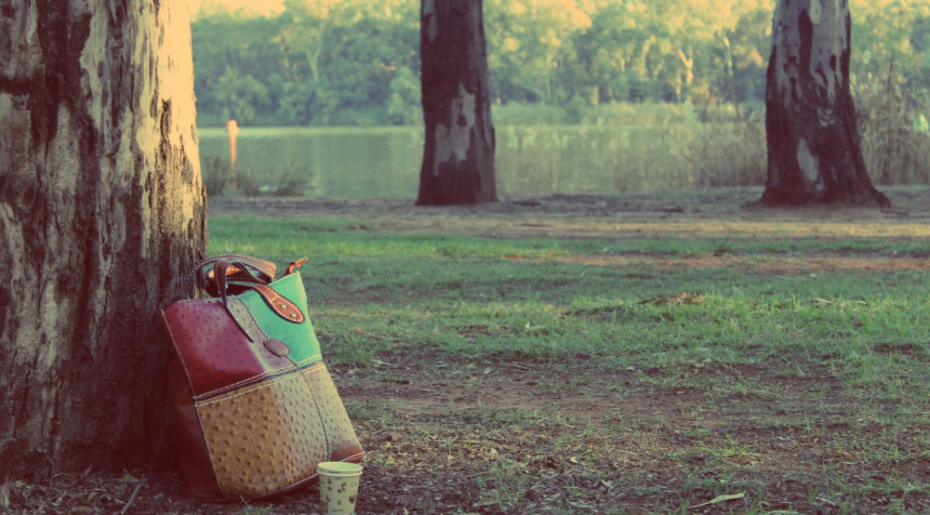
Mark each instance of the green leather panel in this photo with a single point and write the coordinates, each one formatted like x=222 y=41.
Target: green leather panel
x=305 y=349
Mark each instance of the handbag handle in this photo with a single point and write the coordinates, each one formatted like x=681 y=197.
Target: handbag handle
x=224 y=271
x=239 y=268
x=255 y=273
x=282 y=306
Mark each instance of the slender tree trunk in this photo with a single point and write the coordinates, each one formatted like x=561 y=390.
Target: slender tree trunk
x=813 y=139
x=101 y=213
x=731 y=78
x=458 y=158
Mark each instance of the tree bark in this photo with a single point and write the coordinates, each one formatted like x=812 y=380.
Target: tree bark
x=458 y=158
x=814 y=153
x=102 y=212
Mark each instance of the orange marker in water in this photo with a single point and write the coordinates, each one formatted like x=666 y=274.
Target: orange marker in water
x=232 y=128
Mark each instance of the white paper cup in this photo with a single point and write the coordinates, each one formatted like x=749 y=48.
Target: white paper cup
x=338 y=487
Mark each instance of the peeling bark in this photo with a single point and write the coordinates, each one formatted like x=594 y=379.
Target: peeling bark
x=102 y=211
x=458 y=158
x=814 y=153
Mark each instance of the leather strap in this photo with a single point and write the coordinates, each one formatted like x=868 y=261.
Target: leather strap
x=246 y=322
x=294 y=265
x=255 y=273
x=264 y=271
x=225 y=271
x=283 y=307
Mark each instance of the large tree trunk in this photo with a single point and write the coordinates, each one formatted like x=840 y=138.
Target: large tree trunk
x=813 y=140
x=458 y=159
x=101 y=213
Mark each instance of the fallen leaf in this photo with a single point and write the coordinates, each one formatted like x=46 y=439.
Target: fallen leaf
x=722 y=498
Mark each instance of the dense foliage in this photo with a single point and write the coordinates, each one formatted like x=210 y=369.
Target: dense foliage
x=322 y=62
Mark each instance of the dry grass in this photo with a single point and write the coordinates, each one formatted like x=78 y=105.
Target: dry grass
x=700 y=146
x=895 y=153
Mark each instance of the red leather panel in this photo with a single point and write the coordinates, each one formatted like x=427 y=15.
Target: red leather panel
x=217 y=356
x=193 y=455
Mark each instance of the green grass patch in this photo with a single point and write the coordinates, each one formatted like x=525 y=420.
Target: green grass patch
x=373 y=291
x=643 y=386
x=282 y=238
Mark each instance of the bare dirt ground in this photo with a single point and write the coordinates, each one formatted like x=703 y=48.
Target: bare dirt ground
x=729 y=212
x=726 y=214
x=507 y=434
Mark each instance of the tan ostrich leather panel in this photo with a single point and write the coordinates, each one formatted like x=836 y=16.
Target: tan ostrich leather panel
x=340 y=435
x=265 y=436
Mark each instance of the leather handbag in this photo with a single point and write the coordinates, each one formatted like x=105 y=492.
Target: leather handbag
x=256 y=408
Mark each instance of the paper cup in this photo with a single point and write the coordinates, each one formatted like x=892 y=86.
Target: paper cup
x=338 y=487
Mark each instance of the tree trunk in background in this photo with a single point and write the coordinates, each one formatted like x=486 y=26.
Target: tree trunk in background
x=813 y=139
x=458 y=159
x=102 y=212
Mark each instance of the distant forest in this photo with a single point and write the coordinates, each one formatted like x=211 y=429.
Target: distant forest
x=356 y=62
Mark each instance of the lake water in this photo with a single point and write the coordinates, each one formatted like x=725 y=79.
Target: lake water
x=385 y=161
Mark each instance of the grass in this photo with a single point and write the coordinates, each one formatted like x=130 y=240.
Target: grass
x=829 y=365
x=468 y=295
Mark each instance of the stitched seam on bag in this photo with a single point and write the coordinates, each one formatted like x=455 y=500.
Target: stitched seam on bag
x=359 y=455
x=224 y=389
x=174 y=342
x=316 y=404
x=267 y=292
x=230 y=387
x=302 y=362
x=206 y=442
x=207 y=402
x=320 y=364
x=233 y=303
x=261 y=331
x=243 y=392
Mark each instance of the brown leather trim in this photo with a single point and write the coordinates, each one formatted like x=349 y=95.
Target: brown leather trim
x=294 y=265
x=283 y=307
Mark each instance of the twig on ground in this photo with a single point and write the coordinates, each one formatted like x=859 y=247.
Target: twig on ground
x=133 y=496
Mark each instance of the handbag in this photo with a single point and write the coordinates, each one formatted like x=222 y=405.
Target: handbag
x=256 y=408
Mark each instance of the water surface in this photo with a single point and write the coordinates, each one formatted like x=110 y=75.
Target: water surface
x=385 y=161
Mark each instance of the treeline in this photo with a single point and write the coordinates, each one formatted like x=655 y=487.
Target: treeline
x=356 y=62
